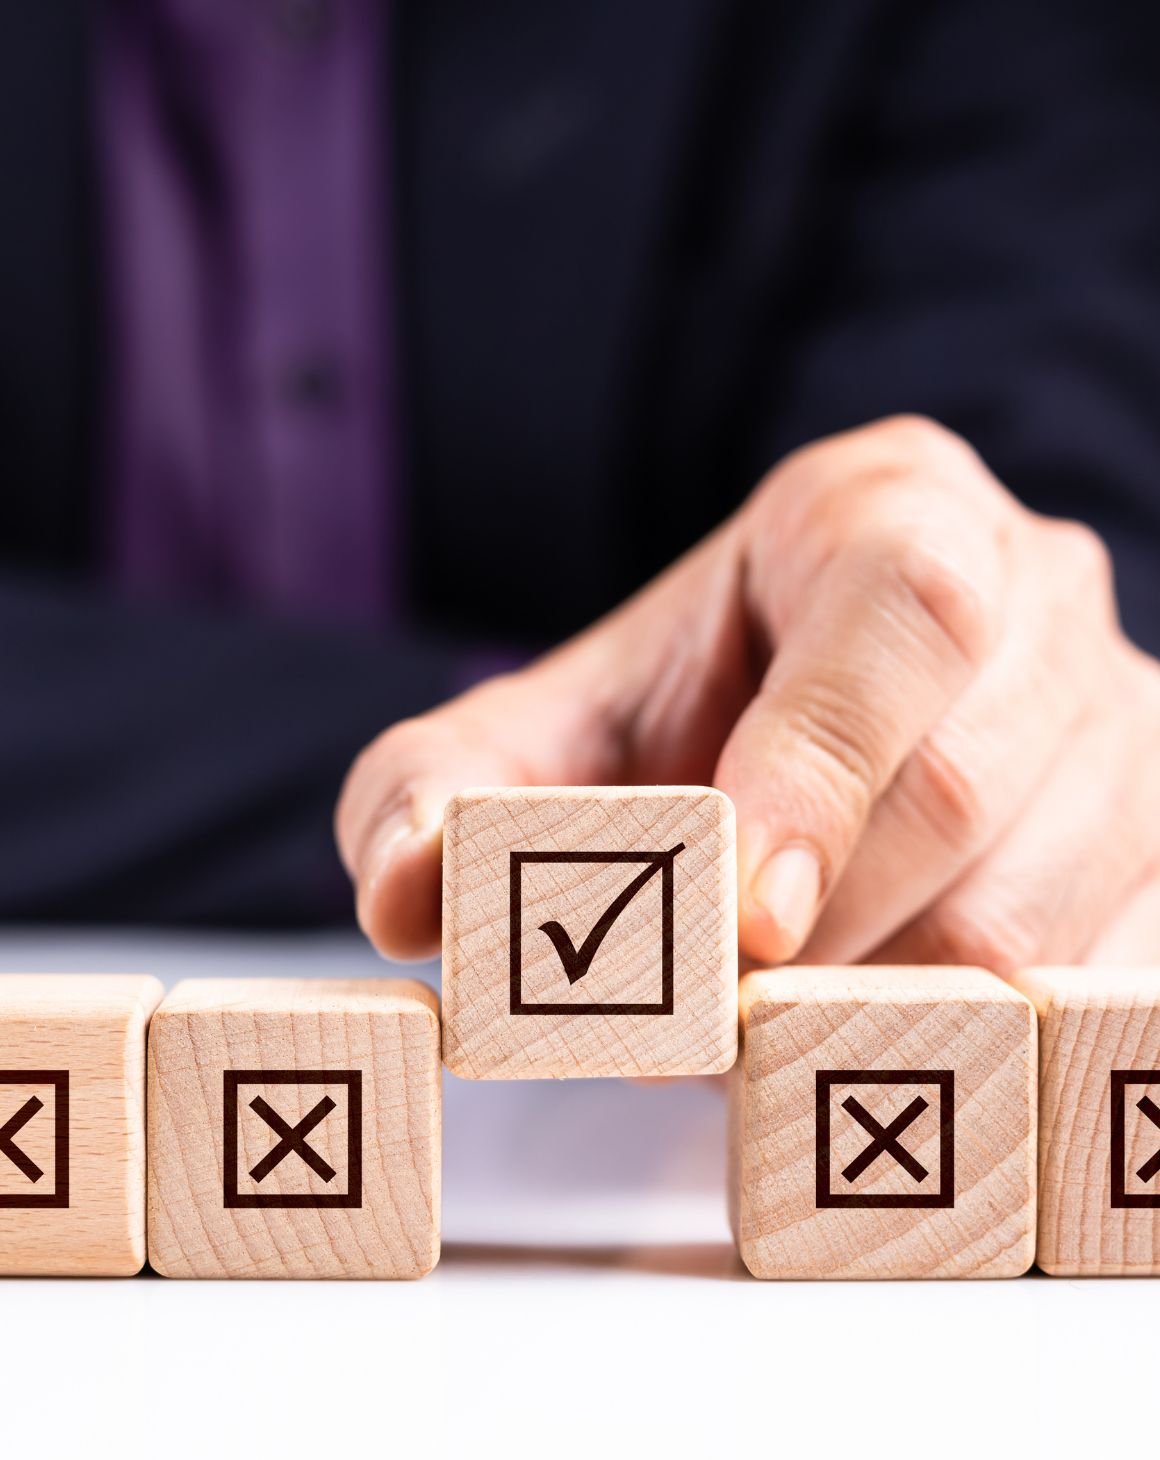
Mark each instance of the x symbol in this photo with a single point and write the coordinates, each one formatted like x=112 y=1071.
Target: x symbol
x=10 y=1127
x=885 y=1138
x=292 y=1138
x=1152 y=1111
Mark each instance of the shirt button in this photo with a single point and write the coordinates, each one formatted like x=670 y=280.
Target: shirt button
x=304 y=22
x=314 y=383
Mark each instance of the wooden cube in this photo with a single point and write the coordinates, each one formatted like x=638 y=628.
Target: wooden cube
x=72 y=1123
x=1099 y=1119
x=589 y=931
x=883 y=1124
x=294 y=1129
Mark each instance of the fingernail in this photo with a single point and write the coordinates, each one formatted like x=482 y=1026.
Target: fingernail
x=386 y=838
x=409 y=816
x=787 y=888
x=402 y=827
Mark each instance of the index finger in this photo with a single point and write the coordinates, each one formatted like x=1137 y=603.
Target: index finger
x=892 y=628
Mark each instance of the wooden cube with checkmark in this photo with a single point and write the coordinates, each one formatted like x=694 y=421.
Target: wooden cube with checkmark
x=294 y=1129
x=883 y=1124
x=589 y=931
x=72 y=1123
x=1099 y=1120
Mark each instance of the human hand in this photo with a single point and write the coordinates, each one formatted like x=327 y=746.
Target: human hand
x=940 y=746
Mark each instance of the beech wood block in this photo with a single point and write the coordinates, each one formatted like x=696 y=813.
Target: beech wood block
x=1099 y=1119
x=589 y=931
x=294 y=1129
x=72 y=1123
x=883 y=1124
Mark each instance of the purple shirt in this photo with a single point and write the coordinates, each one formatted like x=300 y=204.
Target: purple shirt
x=252 y=412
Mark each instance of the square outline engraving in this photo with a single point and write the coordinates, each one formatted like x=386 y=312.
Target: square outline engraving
x=517 y=1003
x=945 y=1195
x=352 y=1197
x=1122 y=1198
x=58 y=1079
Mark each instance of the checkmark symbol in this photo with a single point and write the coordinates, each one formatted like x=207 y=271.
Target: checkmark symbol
x=577 y=961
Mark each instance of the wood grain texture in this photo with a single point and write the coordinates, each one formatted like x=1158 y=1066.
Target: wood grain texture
x=379 y=1037
x=1093 y=1022
x=608 y=1017
x=798 y=1023
x=90 y=1030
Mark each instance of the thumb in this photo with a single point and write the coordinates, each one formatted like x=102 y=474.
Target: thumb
x=520 y=729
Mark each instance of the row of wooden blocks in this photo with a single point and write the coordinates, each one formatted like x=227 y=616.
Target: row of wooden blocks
x=884 y=1122
x=884 y=1125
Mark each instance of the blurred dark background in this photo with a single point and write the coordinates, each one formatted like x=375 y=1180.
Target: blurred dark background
x=349 y=350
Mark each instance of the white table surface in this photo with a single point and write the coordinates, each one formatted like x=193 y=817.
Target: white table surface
x=588 y=1302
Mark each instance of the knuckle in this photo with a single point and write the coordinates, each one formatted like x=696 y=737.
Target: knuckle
x=884 y=451
x=1083 y=561
x=940 y=591
x=829 y=486
x=838 y=745
x=881 y=454
x=965 y=935
x=1141 y=680
x=948 y=793
x=955 y=599
x=911 y=435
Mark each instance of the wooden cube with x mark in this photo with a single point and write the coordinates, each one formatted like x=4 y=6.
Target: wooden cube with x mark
x=72 y=1123
x=294 y=1129
x=883 y=1124
x=1099 y=1120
